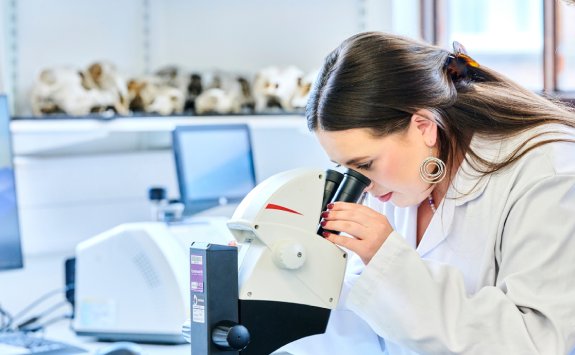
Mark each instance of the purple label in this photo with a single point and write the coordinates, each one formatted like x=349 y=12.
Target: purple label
x=196 y=273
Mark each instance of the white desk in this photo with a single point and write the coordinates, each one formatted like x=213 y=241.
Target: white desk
x=61 y=332
x=44 y=273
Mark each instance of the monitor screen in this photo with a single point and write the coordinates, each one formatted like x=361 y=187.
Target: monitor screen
x=214 y=164
x=10 y=247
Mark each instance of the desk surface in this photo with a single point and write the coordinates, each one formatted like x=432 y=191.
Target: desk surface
x=45 y=273
x=61 y=332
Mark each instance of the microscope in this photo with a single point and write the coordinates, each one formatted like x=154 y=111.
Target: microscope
x=287 y=279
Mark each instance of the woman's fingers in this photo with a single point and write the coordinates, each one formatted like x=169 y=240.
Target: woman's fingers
x=348 y=206
x=364 y=249
x=349 y=226
x=346 y=242
x=350 y=212
x=368 y=228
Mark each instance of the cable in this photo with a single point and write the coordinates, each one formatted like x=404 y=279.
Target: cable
x=42 y=326
x=5 y=315
x=37 y=302
x=41 y=299
x=41 y=315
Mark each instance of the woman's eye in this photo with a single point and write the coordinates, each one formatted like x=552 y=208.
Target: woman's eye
x=365 y=166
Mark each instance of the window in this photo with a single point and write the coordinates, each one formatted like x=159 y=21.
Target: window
x=506 y=36
x=530 y=41
x=566 y=46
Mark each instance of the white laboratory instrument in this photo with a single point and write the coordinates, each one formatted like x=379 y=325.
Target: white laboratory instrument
x=132 y=280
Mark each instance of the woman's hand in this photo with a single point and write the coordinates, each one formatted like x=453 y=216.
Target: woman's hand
x=368 y=228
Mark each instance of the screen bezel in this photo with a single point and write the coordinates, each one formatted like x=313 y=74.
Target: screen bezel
x=18 y=261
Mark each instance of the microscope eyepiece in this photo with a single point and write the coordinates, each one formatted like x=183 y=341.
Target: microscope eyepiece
x=333 y=179
x=351 y=189
x=363 y=179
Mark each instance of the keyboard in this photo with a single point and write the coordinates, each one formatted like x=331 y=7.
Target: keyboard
x=15 y=343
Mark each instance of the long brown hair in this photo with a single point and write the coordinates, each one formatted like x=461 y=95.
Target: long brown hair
x=377 y=81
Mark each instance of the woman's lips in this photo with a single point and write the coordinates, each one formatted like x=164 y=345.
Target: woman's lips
x=386 y=197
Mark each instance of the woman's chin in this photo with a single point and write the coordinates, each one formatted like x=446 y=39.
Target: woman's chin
x=401 y=203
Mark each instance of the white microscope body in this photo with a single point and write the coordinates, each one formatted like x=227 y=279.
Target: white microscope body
x=286 y=260
x=289 y=279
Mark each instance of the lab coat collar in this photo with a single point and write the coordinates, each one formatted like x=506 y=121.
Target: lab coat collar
x=469 y=185
x=466 y=186
x=438 y=228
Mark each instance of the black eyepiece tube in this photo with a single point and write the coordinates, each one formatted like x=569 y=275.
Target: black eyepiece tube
x=350 y=190
x=332 y=180
x=351 y=187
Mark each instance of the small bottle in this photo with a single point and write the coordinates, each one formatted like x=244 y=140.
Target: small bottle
x=172 y=211
x=158 y=202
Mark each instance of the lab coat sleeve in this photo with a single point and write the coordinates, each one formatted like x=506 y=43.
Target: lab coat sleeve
x=422 y=305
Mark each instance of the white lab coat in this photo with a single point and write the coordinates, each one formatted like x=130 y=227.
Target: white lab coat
x=493 y=274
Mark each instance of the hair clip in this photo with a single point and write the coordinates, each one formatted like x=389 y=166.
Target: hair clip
x=458 y=63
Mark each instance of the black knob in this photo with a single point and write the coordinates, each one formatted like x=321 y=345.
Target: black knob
x=228 y=335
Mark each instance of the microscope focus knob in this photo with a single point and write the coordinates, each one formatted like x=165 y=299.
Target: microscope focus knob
x=228 y=335
x=288 y=254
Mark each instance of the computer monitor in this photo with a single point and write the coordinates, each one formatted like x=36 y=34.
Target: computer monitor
x=10 y=245
x=214 y=165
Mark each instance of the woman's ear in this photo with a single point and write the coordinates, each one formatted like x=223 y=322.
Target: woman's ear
x=425 y=124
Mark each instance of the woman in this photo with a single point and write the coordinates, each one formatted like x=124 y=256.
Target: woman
x=468 y=235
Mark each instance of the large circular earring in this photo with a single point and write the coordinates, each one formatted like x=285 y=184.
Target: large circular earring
x=432 y=170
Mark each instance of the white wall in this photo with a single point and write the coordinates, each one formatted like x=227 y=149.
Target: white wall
x=83 y=187
x=79 y=178
x=197 y=35
x=247 y=35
